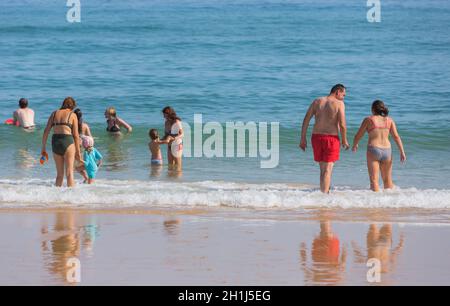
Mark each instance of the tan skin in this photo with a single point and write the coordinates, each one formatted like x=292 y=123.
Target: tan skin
x=379 y=138
x=85 y=130
x=329 y=114
x=154 y=146
x=64 y=164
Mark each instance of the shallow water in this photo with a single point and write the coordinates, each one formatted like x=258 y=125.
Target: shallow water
x=234 y=61
x=225 y=221
x=108 y=194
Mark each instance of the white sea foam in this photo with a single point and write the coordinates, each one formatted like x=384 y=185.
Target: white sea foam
x=139 y=194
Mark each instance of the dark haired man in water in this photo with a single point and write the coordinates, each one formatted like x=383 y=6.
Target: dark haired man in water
x=329 y=113
x=24 y=115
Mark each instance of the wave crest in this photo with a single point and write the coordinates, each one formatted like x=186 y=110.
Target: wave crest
x=139 y=194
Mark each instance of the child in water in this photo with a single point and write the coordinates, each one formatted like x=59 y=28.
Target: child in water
x=154 y=147
x=92 y=160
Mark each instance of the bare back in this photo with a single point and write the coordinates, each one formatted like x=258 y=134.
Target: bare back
x=379 y=129
x=60 y=118
x=85 y=130
x=25 y=117
x=326 y=112
x=155 y=149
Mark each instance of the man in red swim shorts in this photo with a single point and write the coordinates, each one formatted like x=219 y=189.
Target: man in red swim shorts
x=329 y=114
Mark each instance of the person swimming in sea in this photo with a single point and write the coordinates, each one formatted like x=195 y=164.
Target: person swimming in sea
x=24 y=116
x=114 y=123
x=379 y=152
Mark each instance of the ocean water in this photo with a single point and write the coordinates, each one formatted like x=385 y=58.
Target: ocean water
x=261 y=61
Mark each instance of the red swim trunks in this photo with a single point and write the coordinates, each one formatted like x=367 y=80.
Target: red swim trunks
x=326 y=250
x=326 y=147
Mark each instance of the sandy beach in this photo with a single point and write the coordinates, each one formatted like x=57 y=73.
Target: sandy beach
x=220 y=247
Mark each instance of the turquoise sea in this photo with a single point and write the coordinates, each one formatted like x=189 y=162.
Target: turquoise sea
x=261 y=61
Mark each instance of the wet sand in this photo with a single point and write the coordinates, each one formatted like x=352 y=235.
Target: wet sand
x=221 y=247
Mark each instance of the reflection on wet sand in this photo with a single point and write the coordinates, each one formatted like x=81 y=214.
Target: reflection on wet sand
x=379 y=246
x=172 y=227
x=66 y=240
x=327 y=266
x=198 y=246
x=90 y=235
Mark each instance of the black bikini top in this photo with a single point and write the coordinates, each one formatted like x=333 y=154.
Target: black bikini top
x=114 y=128
x=67 y=123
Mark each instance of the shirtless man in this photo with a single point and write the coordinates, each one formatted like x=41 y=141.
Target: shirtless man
x=329 y=113
x=24 y=115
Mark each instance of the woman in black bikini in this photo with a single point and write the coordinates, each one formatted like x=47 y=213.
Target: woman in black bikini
x=65 y=141
x=114 y=123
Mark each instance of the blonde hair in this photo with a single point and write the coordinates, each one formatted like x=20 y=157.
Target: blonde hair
x=111 y=111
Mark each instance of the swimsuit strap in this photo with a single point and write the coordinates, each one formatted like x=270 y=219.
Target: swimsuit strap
x=375 y=126
x=114 y=121
x=114 y=126
x=67 y=123
x=68 y=120
x=370 y=129
x=53 y=118
x=388 y=123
